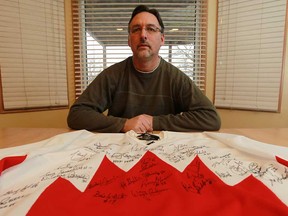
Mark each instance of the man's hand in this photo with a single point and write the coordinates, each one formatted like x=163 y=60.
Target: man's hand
x=140 y=124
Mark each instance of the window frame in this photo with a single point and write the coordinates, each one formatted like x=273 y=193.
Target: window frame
x=82 y=77
x=29 y=39
x=233 y=89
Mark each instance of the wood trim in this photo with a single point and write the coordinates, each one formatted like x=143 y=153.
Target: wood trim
x=76 y=43
x=1 y=94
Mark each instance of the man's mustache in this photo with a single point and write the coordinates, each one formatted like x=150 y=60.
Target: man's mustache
x=144 y=44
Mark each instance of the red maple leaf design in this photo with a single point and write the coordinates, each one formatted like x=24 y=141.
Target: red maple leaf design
x=10 y=161
x=153 y=187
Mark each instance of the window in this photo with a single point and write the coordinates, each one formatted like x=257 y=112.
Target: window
x=250 y=54
x=100 y=36
x=32 y=55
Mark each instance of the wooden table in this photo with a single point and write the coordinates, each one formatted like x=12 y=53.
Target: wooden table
x=10 y=137
x=276 y=136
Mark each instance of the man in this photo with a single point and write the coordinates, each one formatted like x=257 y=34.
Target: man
x=144 y=92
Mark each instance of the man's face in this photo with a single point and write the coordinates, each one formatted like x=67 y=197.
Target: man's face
x=145 y=38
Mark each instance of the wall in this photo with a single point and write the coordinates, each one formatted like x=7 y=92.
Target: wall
x=230 y=118
x=50 y=119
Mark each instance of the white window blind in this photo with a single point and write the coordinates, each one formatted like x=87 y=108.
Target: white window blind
x=32 y=54
x=250 y=54
x=101 y=34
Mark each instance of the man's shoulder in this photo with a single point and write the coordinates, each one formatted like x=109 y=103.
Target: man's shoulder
x=117 y=69
x=120 y=65
x=172 y=70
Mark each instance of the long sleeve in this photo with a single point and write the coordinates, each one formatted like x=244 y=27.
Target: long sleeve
x=200 y=114
x=87 y=111
x=83 y=116
x=193 y=110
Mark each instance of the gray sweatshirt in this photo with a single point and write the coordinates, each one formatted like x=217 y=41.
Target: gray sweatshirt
x=167 y=94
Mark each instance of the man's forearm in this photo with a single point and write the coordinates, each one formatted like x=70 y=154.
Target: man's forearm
x=197 y=120
x=94 y=121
